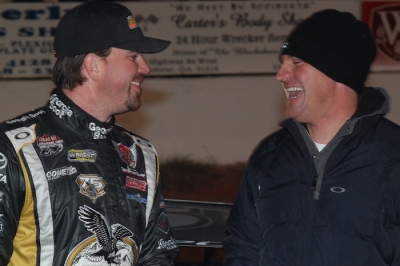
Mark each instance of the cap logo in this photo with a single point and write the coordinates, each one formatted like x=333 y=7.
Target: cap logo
x=131 y=22
x=285 y=45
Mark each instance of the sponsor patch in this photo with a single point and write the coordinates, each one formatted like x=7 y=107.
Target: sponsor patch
x=58 y=107
x=129 y=156
x=131 y=22
x=133 y=172
x=87 y=155
x=26 y=117
x=59 y=172
x=49 y=145
x=91 y=185
x=109 y=244
x=22 y=135
x=98 y=132
x=3 y=178
x=162 y=223
x=136 y=197
x=166 y=244
x=136 y=183
x=162 y=204
x=3 y=161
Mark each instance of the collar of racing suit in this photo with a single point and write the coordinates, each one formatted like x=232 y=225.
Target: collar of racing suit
x=74 y=117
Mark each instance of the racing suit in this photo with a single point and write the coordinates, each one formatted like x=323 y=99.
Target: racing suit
x=75 y=191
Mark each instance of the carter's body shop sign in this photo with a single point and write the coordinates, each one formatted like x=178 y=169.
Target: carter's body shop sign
x=207 y=37
x=383 y=18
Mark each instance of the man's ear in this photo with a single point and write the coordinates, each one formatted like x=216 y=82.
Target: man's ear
x=91 y=66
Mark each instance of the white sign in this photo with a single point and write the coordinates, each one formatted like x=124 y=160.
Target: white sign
x=208 y=37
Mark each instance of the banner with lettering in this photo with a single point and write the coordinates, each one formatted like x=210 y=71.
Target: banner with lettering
x=208 y=37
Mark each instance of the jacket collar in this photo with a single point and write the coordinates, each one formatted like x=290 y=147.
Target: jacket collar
x=75 y=118
x=371 y=102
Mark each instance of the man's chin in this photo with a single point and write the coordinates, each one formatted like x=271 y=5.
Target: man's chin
x=133 y=106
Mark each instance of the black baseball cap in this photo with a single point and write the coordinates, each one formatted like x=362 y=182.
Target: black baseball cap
x=97 y=25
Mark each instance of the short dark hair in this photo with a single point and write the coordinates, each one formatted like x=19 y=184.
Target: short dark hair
x=67 y=70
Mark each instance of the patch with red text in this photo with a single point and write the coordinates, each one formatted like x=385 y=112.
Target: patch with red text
x=49 y=145
x=136 y=183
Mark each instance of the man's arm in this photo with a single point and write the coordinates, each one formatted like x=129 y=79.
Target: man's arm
x=12 y=199
x=243 y=245
x=393 y=222
x=159 y=247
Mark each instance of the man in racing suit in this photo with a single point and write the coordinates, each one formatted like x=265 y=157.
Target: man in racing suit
x=76 y=188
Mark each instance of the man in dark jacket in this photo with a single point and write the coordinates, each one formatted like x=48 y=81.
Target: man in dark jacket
x=325 y=189
x=75 y=187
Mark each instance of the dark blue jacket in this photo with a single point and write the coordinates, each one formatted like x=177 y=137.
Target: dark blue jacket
x=340 y=206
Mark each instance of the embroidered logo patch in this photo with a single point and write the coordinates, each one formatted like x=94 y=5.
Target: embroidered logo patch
x=59 y=172
x=3 y=161
x=87 y=155
x=91 y=186
x=109 y=245
x=131 y=22
x=3 y=178
x=136 y=197
x=58 y=107
x=127 y=154
x=136 y=183
x=26 y=117
x=98 y=132
x=49 y=145
x=162 y=223
x=166 y=244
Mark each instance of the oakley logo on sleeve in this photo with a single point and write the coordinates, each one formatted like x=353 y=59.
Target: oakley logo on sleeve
x=3 y=161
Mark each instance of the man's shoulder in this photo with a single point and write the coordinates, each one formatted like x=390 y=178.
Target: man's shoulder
x=275 y=138
x=384 y=126
x=389 y=123
x=20 y=128
x=385 y=134
x=24 y=120
x=271 y=143
x=141 y=141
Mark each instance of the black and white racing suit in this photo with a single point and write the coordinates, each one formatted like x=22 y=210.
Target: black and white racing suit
x=75 y=191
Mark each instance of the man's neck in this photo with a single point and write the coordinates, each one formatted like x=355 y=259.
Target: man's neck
x=87 y=101
x=325 y=131
x=325 y=125
x=322 y=134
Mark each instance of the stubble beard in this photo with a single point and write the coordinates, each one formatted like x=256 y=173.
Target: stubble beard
x=133 y=103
